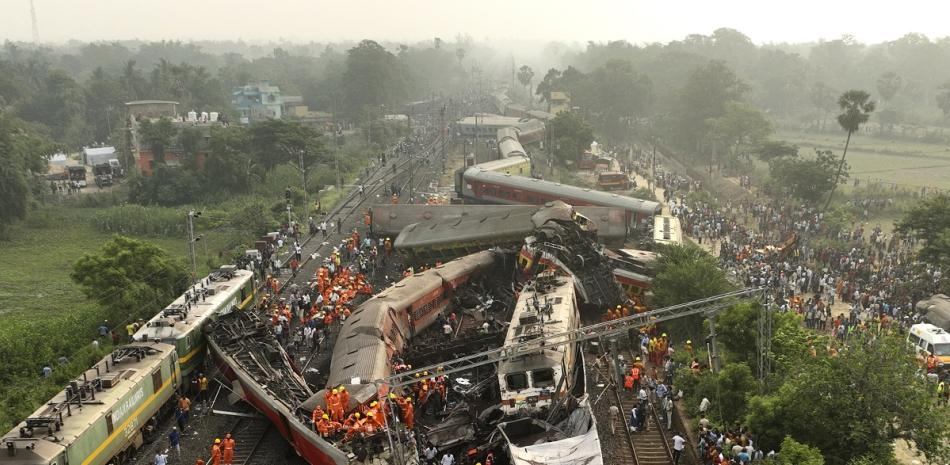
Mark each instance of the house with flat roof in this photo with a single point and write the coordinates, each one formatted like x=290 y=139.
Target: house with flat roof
x=256 y=102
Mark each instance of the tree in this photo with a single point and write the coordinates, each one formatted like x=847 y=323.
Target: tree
x=460 y=54
x=929 y=221
x=822 y=98
x=525 y=75
x=943 y=98
x=130 y=277
x=571 y=135
x=686 y=273
x=857 y=106
x=23 y=152
x=274 y=142
x=157 y=136
x=373 y=78
x=888 y=84
x=740 y=126
x=793 y=452
x=230 y=165
x=854 y=404
x=189 y=139
x=808 y=179
x=768 y=150
x=167 y=186
x=547 y=85
x=704 y=96
x=617 y=95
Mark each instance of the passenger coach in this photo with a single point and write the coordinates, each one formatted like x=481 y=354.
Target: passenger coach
x=486 y=186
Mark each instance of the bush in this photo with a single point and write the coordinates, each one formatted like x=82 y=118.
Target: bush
x=141 y=221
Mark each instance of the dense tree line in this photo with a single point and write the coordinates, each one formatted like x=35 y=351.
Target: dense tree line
x=79 y=93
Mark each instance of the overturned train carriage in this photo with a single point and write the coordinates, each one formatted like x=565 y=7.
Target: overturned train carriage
x=480 y=185
x=430 y=241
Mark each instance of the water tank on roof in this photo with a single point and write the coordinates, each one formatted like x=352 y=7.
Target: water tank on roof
x=204 y=116
x=213 y=115
x=192 y=116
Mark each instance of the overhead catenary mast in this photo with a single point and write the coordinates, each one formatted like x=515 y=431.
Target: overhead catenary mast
x=36 y=29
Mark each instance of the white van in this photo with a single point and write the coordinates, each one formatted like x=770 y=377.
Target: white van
x=928 y=339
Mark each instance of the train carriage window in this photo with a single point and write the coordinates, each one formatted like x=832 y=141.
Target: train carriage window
x=516 y=381
x=157 y=380
x=542 y=378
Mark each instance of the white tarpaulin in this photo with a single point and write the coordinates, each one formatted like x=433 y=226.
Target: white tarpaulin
x=582 y=449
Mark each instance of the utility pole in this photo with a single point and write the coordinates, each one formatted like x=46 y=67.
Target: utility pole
x=190 y=219
x=475 y=142
x=411 y=169
x=714 y=362
x=303 y=176
x=36 y=28
x=442 y=133
x=654 y=164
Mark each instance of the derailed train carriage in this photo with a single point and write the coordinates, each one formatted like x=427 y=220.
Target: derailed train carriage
x=377 y=329
x=182 y=322
x=484 y=186
x=100 y=417
x=428 y=242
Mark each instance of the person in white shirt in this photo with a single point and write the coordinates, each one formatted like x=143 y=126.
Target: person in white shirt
x=678 y=445
x=704 y=406
x=161 y=458
x=448 y=459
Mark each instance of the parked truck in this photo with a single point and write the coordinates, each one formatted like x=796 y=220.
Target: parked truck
x=103 y=174
x=77 y=175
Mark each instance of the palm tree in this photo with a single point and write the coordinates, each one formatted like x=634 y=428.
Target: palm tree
x=857 y=106
x=525 y=74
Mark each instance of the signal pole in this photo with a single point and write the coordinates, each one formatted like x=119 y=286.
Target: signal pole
x=190 y=217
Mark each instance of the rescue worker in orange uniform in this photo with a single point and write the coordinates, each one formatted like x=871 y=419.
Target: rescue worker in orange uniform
x=327 y=427
x=344 y=395
x=216 y=452
x=228 y=445
x=318 y=413
x=408 y=417
x=335 y=406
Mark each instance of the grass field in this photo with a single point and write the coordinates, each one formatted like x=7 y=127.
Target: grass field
x=908 y=164
x=36 y=261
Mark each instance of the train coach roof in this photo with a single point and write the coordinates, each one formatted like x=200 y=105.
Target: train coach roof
x=936 y=310
x=129 y=370
x=565 y=192
x=503 y=163
x=506 y=133
x=509 y=224
x=165 y=327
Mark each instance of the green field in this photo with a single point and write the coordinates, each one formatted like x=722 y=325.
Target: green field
x=45 y=315
x=879 y=159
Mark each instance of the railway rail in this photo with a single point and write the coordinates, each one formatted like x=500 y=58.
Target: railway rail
x=381 y=178
x=649 y=446
x=248 y=435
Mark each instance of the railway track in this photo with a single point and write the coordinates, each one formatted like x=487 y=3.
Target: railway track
x=349 y=208
x=650 y=446
x=248 y=435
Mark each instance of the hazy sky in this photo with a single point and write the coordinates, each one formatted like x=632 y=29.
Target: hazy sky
x=567 y=20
